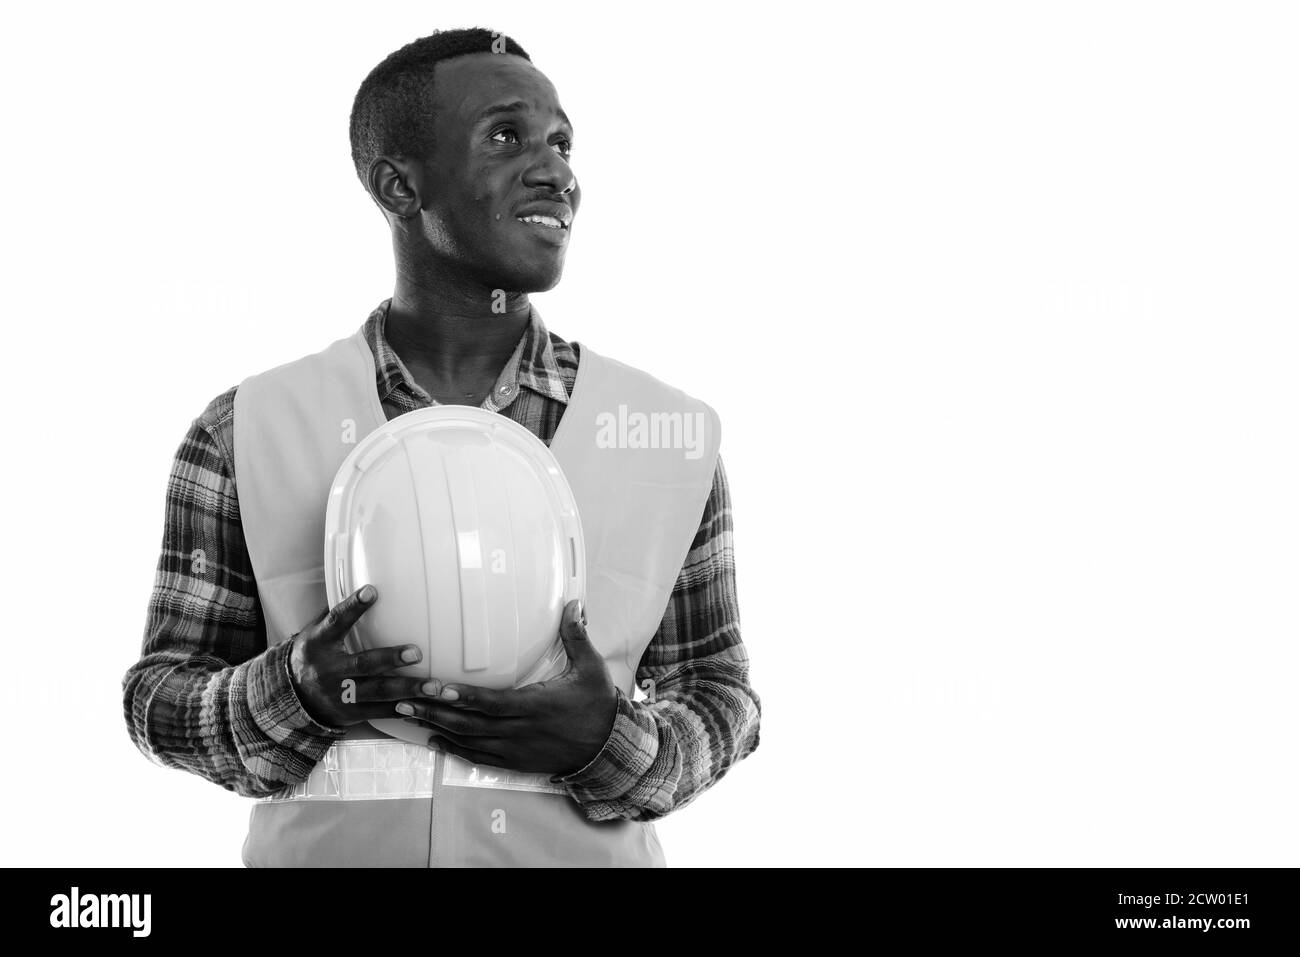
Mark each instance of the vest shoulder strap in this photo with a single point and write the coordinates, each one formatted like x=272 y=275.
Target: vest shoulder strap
x=293 y=426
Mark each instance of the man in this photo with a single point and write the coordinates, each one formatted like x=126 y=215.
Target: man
x=462 y=144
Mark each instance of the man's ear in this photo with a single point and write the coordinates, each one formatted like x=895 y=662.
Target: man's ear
x=395 y=184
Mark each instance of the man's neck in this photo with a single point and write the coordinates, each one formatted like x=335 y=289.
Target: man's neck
x=452 y=341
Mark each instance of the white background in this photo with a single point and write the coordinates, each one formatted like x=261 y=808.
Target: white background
x=997 y=303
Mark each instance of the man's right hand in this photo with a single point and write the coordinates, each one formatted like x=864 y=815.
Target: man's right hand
x=321 y=668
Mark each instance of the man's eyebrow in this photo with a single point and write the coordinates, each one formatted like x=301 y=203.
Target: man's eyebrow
x=514 y=106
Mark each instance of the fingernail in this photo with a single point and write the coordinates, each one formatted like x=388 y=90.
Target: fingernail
x=431 y=689
x=368 y=593
x=411 y=655
x=449 y=694
x=405 y=708
x=582 y=612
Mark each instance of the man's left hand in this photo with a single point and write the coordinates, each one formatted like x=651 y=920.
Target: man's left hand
x=556 y=726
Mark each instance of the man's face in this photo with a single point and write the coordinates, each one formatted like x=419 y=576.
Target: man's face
x=499 y=155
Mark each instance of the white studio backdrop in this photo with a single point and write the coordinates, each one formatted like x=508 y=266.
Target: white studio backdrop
x=997 y=303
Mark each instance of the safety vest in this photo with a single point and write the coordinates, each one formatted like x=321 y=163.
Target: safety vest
x=639 y=456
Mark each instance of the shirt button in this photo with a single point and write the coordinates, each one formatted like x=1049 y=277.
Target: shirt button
x=506 y=389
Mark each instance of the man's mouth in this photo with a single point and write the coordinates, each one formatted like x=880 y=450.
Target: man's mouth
x=547 y=217
x=550 y=222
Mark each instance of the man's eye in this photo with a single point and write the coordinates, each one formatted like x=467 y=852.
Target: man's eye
x=513 y=137
x=563 y=147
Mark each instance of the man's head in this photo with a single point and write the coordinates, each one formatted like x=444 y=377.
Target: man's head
x=463 y=144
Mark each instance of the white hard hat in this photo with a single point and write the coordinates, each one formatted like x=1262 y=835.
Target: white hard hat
x=465 y=523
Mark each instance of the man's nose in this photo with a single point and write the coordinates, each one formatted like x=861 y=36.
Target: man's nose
x=550 y=171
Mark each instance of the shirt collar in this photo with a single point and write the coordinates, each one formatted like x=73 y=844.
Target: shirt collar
x=533 y=365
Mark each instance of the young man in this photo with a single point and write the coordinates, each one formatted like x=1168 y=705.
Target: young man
x=462 y=144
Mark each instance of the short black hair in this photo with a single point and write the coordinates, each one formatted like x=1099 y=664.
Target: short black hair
x=392 y=113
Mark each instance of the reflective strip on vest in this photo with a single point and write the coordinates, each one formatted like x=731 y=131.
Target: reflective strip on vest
x=385 y=769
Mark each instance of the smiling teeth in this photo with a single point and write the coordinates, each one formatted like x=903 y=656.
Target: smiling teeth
x=542 y=221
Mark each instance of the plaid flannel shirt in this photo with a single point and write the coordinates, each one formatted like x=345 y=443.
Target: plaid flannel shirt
x=209 y=696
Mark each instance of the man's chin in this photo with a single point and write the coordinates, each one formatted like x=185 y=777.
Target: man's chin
x=550 y=282
x=532 y=280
